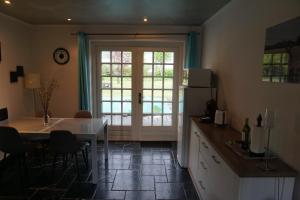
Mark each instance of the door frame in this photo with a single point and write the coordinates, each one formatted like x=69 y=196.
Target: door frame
x=152 y=132
x=159 y=134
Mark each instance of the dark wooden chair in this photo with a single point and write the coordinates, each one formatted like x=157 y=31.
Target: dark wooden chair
x=64 y=143
x=88 y=115
x=12 y=144
x=83 y=114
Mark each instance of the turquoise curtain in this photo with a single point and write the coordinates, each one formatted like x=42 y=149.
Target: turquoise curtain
x=192 y=53
x=84 y=72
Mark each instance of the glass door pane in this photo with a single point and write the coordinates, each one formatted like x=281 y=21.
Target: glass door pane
x=158 y=88
x=116 y=87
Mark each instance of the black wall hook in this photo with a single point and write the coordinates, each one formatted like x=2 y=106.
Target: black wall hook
x=15 y=75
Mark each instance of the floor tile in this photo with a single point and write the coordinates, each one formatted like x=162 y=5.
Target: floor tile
x=107 y=175
x=121 y=156
x=117 y=164
x=47 y=195
x=81 y=190
x=168 y=161
x=135 y=166
x=169 y=191
x=146 y=183
x=116 y=195
x=140 y=195
x=146 y=161
x=157 y=156
x=131 y=180
x=178 y=176
x=154 y=170
x=137 y=159
x=14 y=190
x=104 y=186
x=191 y=195
x=161 y=179
x=167 y=155
x=66 y=181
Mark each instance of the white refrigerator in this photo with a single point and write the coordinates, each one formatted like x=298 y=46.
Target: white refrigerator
x=192 y=102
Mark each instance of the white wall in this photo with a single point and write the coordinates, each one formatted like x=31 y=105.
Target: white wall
x=233 y=46
x=64 y=102
x=15 y=38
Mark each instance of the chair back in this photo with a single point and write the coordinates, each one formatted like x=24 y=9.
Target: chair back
x=3 y=116
x=62 y=141
x=11 y=141
x=83 y=114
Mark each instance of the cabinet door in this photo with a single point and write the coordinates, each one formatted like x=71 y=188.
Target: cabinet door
x=225 y=180
x=193 y=151
x=203 y=181
x=266 y=188
x=205 y=148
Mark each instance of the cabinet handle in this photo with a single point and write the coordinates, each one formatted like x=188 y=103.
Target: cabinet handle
x=205 y=145
x=215 y=159
x=196 y=133
x=201 y=185
x=203 y=166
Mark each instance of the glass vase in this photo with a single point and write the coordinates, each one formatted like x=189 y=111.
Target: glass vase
x=46 y=119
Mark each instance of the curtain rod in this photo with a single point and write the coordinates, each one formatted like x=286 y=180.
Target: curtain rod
x=134 y=33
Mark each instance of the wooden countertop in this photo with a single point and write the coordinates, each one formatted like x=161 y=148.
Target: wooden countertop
x=217 y=137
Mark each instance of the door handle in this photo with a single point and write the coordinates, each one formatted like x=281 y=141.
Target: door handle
x=140 y=98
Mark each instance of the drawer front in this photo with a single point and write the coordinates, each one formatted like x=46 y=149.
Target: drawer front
x=205 y=148
x=195 y=129
x=194 y=150
x=222 y=177
x=202 y=165
x=215 y=160
x=203 y=183
x=193 y=153
x=202 y=188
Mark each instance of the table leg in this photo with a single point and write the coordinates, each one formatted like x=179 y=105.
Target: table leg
x=106 y=142
x=94 y=160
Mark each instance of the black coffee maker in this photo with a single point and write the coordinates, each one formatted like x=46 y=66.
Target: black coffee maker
x=209 y=116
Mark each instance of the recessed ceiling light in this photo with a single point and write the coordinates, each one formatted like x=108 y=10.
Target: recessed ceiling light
x=69 y=19
x=7 y=2
x=145 y=19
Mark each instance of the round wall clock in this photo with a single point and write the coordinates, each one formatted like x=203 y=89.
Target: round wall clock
x=61 y=56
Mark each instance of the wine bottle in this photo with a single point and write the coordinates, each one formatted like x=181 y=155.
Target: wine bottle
x=246 y=135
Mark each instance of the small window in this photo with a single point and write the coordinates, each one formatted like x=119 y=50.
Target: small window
x=275 y=67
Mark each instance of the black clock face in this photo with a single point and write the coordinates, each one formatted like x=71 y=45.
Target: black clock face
x=61 y=56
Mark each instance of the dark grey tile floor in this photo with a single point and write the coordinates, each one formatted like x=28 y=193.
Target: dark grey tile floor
x=135 y=171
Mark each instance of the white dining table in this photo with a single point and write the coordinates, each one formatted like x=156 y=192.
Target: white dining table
x=83 y=128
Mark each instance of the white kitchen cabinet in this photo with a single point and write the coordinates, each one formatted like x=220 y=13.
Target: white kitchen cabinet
x=266 y=188
x=194 y=149
x=214 y=179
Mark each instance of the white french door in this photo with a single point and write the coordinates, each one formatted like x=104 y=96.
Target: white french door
x=116 y=87
x=137 y=91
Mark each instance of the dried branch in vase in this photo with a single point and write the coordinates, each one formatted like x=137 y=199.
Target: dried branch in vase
x=45 y=93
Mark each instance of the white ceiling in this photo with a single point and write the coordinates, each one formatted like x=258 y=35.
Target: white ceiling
x=118 y=12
